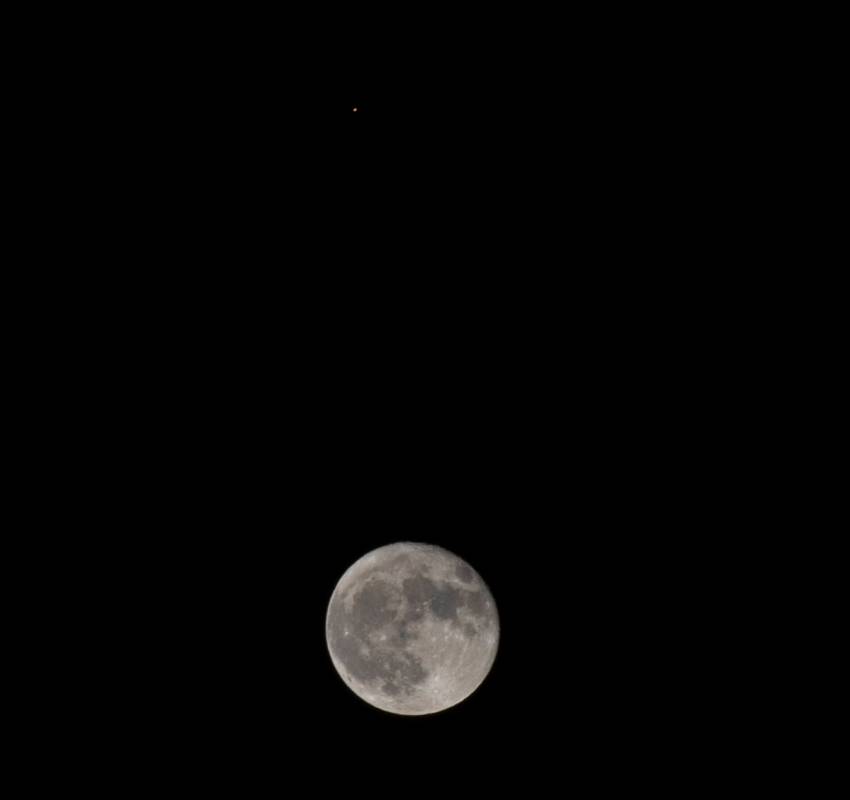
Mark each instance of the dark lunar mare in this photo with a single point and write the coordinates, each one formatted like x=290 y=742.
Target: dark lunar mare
x=444 y=601
x=399 y=671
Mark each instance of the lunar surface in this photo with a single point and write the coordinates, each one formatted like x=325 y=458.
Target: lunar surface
x=412 y=629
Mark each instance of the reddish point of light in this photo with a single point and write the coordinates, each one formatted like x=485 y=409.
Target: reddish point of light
x=354 y=109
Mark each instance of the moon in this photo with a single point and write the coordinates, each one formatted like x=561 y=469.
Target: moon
x=412 y=629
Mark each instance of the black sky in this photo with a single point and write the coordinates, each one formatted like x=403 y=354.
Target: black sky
x=432 y=320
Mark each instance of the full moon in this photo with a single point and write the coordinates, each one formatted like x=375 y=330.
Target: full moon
x=412 y=629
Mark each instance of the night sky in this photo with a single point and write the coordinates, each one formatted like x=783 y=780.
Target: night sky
x=421 y=83
x=491 y=66
x=435 y=319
